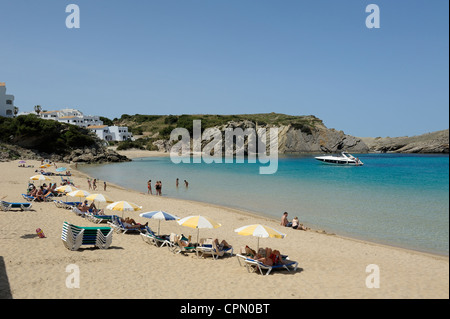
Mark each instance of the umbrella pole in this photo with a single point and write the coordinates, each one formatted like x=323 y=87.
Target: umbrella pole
x=257 y=246
x=198 y=232
x=159 y=225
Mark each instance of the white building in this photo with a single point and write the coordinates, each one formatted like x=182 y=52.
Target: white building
x=71 y=116
x=6 y=102
x=75 y=117
x=111 y=133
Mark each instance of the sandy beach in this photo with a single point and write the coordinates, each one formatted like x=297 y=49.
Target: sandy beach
x=329 y=266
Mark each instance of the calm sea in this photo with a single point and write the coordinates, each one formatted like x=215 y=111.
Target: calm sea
x=395 y=199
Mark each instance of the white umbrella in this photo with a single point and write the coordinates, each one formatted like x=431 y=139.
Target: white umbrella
x=123 y=206
x=259 y=231
x=100 y=198
x=159 y=215
x=78 y=193
x=198 y=222
x=40 y=178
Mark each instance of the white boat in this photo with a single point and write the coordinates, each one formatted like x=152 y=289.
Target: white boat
x=343 y=159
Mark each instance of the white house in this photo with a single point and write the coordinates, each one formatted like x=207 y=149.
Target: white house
x=111 y=133
x=75 y=117
x=6 y=102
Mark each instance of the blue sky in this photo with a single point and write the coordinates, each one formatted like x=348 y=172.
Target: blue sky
x=234 y=57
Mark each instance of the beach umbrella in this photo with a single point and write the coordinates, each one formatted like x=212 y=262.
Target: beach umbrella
x=198 y=222
x=66 y=188
x=123 y=206
x=61 y=169
x=45 y=166
x=159 y=215
x=99 y=198
x=78 y=193
x=22 y=162
x=40 y=178
x=259 y=231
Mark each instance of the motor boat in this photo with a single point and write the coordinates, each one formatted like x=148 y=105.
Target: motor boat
x=343 y=159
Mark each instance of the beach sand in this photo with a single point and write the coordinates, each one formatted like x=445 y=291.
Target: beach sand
x=329 y=266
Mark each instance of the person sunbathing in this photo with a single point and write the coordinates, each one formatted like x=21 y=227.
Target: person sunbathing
x=131 y=223
x=40 y=194
x=249 y=252
x=269 y=257
x=222 y=245
x=183 y=241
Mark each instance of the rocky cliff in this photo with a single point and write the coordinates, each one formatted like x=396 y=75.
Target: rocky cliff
x=292 y=138
x=435 y=142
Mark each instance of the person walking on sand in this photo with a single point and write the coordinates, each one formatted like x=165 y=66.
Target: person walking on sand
x=94 y=184
x=104 y=186
x=149 y=187
x=89 y=183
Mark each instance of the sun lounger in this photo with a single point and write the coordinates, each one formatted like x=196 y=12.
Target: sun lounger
x=29 y=198
x=74 y=237
x=177 y=247
x=98 y=219
x=66 y=205
x=208 y=247
x=118 y=226
x=152 y=239
x=6 y=206
x=254 y=265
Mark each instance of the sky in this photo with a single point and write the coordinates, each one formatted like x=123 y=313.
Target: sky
x=312 y=57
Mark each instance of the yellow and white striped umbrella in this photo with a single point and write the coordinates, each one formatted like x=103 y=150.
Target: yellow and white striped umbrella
x=78 y=193
x=198 y=222
x=99 y=198
x=66 y=189
x=40 y=178
x=259 y=231
x=124 y=206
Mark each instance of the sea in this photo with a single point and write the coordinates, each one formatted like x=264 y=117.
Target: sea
x=395 y=199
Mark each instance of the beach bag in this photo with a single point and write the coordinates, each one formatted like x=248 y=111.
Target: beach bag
x=40 y=233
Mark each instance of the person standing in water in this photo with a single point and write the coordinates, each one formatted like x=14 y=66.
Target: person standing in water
x=149 y=187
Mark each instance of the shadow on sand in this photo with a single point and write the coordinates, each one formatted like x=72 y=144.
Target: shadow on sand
x=5 y=290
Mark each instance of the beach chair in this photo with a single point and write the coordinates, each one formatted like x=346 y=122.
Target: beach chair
x=74 y=237
x=208 y=247
x=152 y=239
x=28 y=197
x=253 y=265
x=119 y=227
x=178 y=248
x=6 y=206
x=77 y=211
x=98 y=219
x=287 y=265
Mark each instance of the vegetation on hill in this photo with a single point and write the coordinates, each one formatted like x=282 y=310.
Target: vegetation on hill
x=149 y=128
x=52 y=137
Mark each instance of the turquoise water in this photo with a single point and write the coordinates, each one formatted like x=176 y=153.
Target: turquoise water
x=395 y=199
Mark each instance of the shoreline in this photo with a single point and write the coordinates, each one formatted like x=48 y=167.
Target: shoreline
x=271 y=219
x=330 y=266
x=137 y=154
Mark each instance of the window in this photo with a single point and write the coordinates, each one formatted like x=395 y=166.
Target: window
x=9 y=112
x=9 y=102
